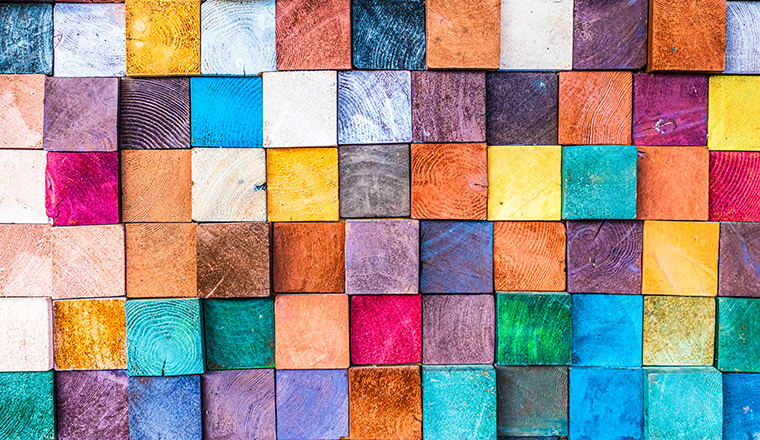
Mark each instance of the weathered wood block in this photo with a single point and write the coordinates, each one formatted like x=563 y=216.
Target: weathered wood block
x=313 y=34
x=374 y=181
x=92 y=405
x=385 y=402
x=670 y=109
x=456 y=257
x=238 y=404
x=226 y=112
x=462 y=34
x=308 y=257
x=607 y=330
x=532 y=401
x=154 y=113
x=680 y=258
x=742 y=52
x=738 y=347
x=536 y=35
x=89 y=40
x=229 y=184
x=302 y=184
x=610 y=35
x=233 y=259
x=533 y=329
x=28 y=407
x=733 y=118
x=529 y=256
x=687 y=35
x=678 y=330
x=27 y=30
x=26 y=334
x=239 y=333
x=161 y=260
x=165 y=408
x=739 y=259
x=22 y=111
x=26 y=265
x=164 y=337
x=459 y=402
x=156 y=186
x=22 y=186
x=238 y=37
x=90 y=334
x=587 y=116
x=312 y=404
x=683 y=402
x=734 y=181
x=388 y=35
x=448 y=106
x=386 y=329
x=311 y=331
x=740 y=398
x=458 y=329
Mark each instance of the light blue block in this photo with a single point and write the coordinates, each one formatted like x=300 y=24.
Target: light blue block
x=607 y=330
x=26 y=38
x=226 y=112
x=741 y=406
x=165 y=408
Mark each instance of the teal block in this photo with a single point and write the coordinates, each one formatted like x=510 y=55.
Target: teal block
x=26 y=406
x=458 y=402
x=26 y=38
x=738 y=335
x=532 y=401
x=599 y=182
x=239 y=333
x=226 y=112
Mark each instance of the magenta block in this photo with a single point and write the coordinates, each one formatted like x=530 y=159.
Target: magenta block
x=386 y=329
x=92 y=405
x=238 y=404
x=734 y=186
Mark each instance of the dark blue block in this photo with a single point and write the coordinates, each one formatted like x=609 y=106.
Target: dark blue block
x=312 y=404
x=165 y=408
x=226 y=112
x=607 y=330
x=741 y=399
x=388 y=34
x=26 y=38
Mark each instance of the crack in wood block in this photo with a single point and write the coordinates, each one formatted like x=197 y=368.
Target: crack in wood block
x=462 y=34
x=22 y=111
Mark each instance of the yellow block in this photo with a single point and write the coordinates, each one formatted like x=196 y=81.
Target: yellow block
x=525 y=183
x=302 y=184
x=90 y=334
x=680 y=258
x=734 y=113
x=163 y=37
x=678 y=330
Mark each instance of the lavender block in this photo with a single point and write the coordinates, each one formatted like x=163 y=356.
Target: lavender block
x=742 y=24
x=165 y=408
x=457 y=329
x=312 y=404
x=238 y=404
x=610 y=34
x=92 y=405
x=739 y=260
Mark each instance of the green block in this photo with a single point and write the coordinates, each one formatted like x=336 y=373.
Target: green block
x=738 y=335
x=239 y=333
x=534 y=329
x=26 y=406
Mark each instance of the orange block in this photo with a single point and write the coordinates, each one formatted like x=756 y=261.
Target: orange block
x=462 y=34
x=156 y=186
x=529 y=256
x=313 y=34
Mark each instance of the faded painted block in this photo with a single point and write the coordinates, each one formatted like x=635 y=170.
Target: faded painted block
x=26 y=334
x=734 y=182
x=529 y=256
x=742 y=23
x=226 y=112
x=607 y=330
x=740 y=402
x=462 y=34
x=238 y=333
x=22 y=111
x=610 y=35
x=92 y=405
x=734 y=119
x=308 y=257
x=738 y=335
x=458 y=329
x=30 y=29
x=22 y=186
x=536 y=35
x=165 y=408
x=312 y=404
x=26 y=260
x=156 y=186
x=678 y=330
x=154 y=113
x=388 y=35
x=739 y=260
x=239 y=404
x=386 y=329
x=313 y=34
x=28 y=406
x=532 y=401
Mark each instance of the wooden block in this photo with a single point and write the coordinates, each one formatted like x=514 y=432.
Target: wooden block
x=154 y=113
x=311 y=331
x=164 y=337
x=448 y=106
x=740 y=398
x=532 y=401
x=458 y=329
x=604 y=257
x=524 y=183
x=161 y=260
x=456 y=257
x=388 y=35
x=734 y=120
x=734 y=181
x=312 y=404
x=462 y=34
x=302 y=184
x=239 y=333
x=92 y=404
x=607 y=330
x=89 y=40
x=386 y=329
x=308 y=257
x=22 y=186
x=26 y=334
x=522 y=108
x=22 y=111
x=610 y=35
x=156 y=186
x=28 y=407
x=382 y=256
x=300 y=109
x=229 y=184
x=587 y=116
x=439 y=193
x=30 y=29
x=233 y=259
x=374 y=181
x=313 y=34
x=742 y=22
x=672 y=183
x=374 y=107
x=26 y=265
x=238 y=37
x=90 y=334
x=536 y=35
x=738 y=260
x=738 y=347
x=670 y=109
x=533 y=328
x=385 y=402
x=529 y=256
x=678 y=330
x=687 y=35
x=226 y=112
x=165 y=408
x=238 y=404
x=680 y=258
x=459 y=402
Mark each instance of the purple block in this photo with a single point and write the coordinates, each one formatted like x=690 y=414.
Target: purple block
x=457 y=329
x=238 y=404
x=670 y=109
x=312 y=404
x=610 y=34
x=92 y=405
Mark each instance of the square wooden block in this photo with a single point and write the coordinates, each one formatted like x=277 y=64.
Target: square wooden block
x=742 y=54
x=239 y=404
x=90 y=334
x=26 y=261
x=311 y=331
x=734 y=179
x=156 y=186
x=28 y=404
x=738 y=347
x=738 y=258
x=462 y=34
x=26 y=334
x=22 y=186
x=466 y=319
x=313 y=34
x=678 y=330
x=386 y=329
x=308 y=257
x=607 y=330
x=388 y=35
x=734 y=119
x=312 y=404
x=239 y=333
x=92 y=405
x=165 y=407
x=536 y=35
x=740 y=391
x=610 y=35
x=22 y=111
x=29 y=28
x=226 y=112
x=532 y=401
x=529 y=256
x=154 y=113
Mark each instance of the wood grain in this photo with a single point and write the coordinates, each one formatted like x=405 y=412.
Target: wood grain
x=28 y=406
x=733 y=120
x=165 y=408
x=742 y=31
x=386 y=329
x=672 y=183
x=313 y=34
x=154 y=113
x=226 y=112
x=733 y=186
x=458 y=329
x=239 y=404
x=238 y=333
x=312 y=404
x=26 y=260
x=678 y=330
x=529 y=256
x=388 y=35
x=22 y=111
x=532 y=401
x=610 y=35
x=462 y=34
x=27 y=329
x=156 y=186
x=308 y=257
x=738 y=343
x=92 y=404
x=22 y=179
x=739 y=260
x=30 y=29
x=536 y=35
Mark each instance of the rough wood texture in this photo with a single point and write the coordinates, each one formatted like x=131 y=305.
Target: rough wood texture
x=25 y=260
x=239 y=333
x=458 y=329
x=610 y=35
x=462 y=34
x=90 y=334
x=312 y=404
x=302 y=184
x=92 y=405
x=156 y=186
x=607 y=330
x=388 y=35
x=226 y=112
x=529 y=256
x=154 y=113
x=532 y=401
x=22 y=111
x=739 y=260
x=740 y=391
x=27 y=36
x=26 y=335
x=742 y=24
x=313 y=34
x=386 y=329
x=738 y=347
x=734 y=120
x=687 y=35
x=238 y=404
x=734 y=184
x=308 y=257
x=311 y=331
x=28 y=406
x=536 y=35
x=22 y=186
x=678 y=330
x=165 y=408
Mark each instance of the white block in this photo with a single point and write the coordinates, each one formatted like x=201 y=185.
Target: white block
x=22 y=186
x=536 y=34
x=26 y=334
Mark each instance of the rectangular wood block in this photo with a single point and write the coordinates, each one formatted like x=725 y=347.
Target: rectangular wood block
x=529 y=256
x=532 y=401
x=734 y=119
x=739 y=259
x=22 y=186
x=740 y=397
x=22 y=111
x=308 y=257
x=26 y=261
x=458 y=329
x=28 y=29
x=28 y=405
x=462 y=34
x=738 y=347
x=156 y=186
x=92 y=404
x=239 y=333
x=607 y=330
x=26 y=334
x=388 y=35
x=386 y=329
x=536 y=35
x=154 y=113
x=678 y=330
x=313 y=34
x=734 y=181
x=226 y=112
x=90 y=334
x=165 y=407
x=742 y=53
x=610 y=35
x=312 y=404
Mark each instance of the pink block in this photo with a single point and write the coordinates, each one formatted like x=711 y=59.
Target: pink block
x=386 y=329
x=734 y=186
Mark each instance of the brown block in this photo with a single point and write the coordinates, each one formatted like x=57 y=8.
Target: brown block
x=313 y=34
x=529 y=256
x=156 y=186
x=308 y=257
x=462 y=34
x=25 y=260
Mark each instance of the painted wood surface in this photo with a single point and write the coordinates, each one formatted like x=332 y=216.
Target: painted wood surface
x=610 y=35
x=239 y=333
x=536 y=35
x=92 y=404
x=462 y=34
x=678 y=330
x=388 y=35
x=386 y=329
x=607 y=330
x=226 y=112
x=26 y=261
x=312 y=404
x=529 y=256
x=26 y=334
x=308 y=257
x=165 y=408
x=313 y=34
x=22 y=111
x=90 y=334
x=458 y=329
x=22 y=177
x=532 y=401
x=28 y=406
x=740 y=398
x=739 y=260
x=733 y=117
x=156 y=186
x=30 y=28
x=742 y=24
x=738 y=347
x=154 y=113
x=733 y=185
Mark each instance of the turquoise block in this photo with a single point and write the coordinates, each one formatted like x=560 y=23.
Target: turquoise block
x=226 y=112
x=239 y=333
x=599 y=182
x=26 y=38
x=607 y=330
x=738 y=335
x=26 y=406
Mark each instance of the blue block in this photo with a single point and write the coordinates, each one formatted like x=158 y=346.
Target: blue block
x=606 y=403
x=607 y=330
x=226 y=112
x=388 y=34
x=165 y=408
x=312 y=404
x=741 y=398
x=26 y=38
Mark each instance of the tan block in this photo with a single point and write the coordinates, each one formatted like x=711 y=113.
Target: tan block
x=26 y=334
x=22 y=110
x=678 y=330
x=22 y=186
x=156 y=186
x=25 y=260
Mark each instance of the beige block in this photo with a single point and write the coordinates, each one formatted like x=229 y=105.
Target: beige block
x=26 y=334
x=536 y=34
x=21 y=110
x=25 y=260
x=22 y=186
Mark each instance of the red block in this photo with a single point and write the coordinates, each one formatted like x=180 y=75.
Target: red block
x=386 y=329
x=734 y=186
